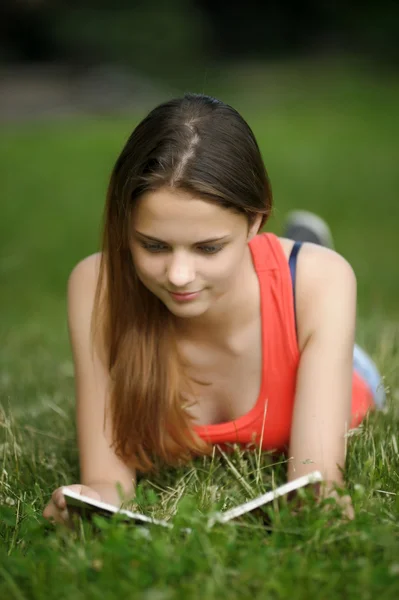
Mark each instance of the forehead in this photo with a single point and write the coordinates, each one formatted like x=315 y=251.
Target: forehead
x=170 y=211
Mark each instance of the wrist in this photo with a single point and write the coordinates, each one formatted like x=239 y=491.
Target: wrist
x=110 y=493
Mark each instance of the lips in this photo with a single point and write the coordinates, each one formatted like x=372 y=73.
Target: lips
x=184 y=293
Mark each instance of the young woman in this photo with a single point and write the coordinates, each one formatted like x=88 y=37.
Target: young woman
x=191 y=328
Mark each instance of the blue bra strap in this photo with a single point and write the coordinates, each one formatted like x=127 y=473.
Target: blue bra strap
x=292 y=265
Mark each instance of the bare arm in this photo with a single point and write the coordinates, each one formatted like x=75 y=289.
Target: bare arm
x=322 y=410
x=107 y=492
x=100 y=468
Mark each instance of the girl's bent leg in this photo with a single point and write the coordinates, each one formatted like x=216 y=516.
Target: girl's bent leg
x=367 y=369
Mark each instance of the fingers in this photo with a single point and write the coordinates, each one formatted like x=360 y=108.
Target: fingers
x=55 y=514
x=59 y=499
x=56 y=510
x=90 y=493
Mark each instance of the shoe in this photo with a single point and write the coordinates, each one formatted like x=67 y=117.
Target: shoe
x=304 y=226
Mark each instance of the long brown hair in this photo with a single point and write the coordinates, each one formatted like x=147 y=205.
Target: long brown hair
x=202 y=146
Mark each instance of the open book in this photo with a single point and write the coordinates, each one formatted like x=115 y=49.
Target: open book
x=85 y=506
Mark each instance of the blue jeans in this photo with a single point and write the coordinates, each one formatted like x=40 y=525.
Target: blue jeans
x=367 y=369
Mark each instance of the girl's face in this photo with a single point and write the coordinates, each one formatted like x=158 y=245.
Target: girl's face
x=181 y=244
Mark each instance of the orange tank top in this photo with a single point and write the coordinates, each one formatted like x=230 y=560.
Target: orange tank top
x=268 y=423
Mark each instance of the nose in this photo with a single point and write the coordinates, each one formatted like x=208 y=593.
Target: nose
x=181 y=271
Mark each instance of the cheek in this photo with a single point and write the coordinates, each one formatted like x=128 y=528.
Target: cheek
x=142 y=262
x=148 y=270
x=227 y=276
x=226 y=268
x=218 y=275
x=148 y=279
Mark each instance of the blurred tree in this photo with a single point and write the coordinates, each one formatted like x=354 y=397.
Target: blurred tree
x=256 y=29
x=259 y=29
x=164 y=38
x=168 y=38
x=26 y=32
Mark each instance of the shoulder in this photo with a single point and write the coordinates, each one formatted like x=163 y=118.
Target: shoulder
x=82 y=288
x=318 y=260
x=325 y=285
x=81 y=298
x=86 y=271
x=83 y=279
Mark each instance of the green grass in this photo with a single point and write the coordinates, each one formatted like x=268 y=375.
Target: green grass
x=329 y=139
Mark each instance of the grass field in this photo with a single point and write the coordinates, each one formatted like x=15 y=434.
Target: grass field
x=329 y=137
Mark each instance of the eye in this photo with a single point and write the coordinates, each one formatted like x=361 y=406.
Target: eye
x=155 y=248
x=211 y=249
x=151 y=247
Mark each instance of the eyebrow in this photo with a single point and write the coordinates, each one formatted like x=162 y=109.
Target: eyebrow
x=219 y=239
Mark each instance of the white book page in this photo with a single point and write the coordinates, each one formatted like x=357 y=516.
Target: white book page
x=284 y=489
x=84 y=503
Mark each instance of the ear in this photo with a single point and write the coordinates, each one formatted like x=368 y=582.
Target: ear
x=254 y=229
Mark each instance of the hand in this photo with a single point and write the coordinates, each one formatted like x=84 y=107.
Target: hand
x=56 y=510
x=324 y=492
x=344 y=502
